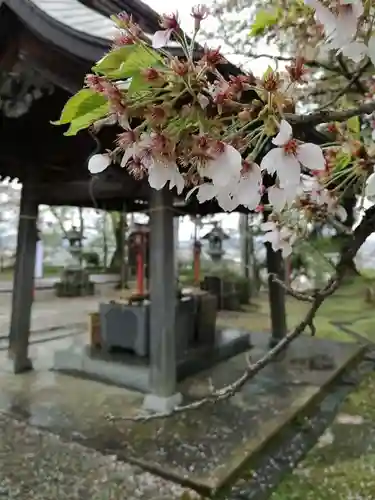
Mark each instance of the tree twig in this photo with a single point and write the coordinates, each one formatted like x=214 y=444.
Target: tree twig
x=303 y=297
x=360 y=234
x=330 y=116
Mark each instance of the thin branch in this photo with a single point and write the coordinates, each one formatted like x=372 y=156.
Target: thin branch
x=229 y=390
x=311 y=64
x=353 y=80
x=363 y=230
x=347 y=74
x=59 y=221
x=303 y=297
x=330 y=116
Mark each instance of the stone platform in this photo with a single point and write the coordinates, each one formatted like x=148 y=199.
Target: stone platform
x=207 y=449
x=130 y=371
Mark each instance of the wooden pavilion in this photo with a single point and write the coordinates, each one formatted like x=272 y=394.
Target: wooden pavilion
x=46 y=48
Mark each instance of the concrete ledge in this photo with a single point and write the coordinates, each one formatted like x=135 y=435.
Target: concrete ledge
x=77 y=361
x=132 y=372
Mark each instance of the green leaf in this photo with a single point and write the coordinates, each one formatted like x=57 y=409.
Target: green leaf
x=264 y=19
x=354 y=125
x=81 y=103
x=139 y=84
x=127 y=61
x=85 y=120
x=268 y=72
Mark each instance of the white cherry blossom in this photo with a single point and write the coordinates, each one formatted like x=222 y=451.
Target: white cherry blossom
x=370 y=186
x=247 y=192
x=159 y=174
x=223 y=195
x=279 y=197
x=340 y=30
x=280 y=238
x=285 y=160
x=243 y=190
x=161 y=38
x=224 y=168
x=98 y=163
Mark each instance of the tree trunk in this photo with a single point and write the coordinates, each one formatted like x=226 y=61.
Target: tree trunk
x=349 y=203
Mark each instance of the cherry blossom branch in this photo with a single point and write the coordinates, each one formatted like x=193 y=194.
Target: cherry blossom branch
x=330 y=116
x=312 y=63
x=253 y=369
x=347 y=74
x=303 y=297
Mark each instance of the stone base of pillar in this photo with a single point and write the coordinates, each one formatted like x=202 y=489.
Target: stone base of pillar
x=160 y=404
x=19 y=365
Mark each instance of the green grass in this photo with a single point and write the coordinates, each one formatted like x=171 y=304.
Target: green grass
x=347 y=306
x=345 y=469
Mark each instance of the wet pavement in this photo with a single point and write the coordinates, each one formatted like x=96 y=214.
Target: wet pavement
x=203 y=449
x=51 y=314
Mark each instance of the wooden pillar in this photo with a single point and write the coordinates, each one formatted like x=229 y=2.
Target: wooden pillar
x=163 y=380
x=23 y=282
x=276 y=294
x=244 y=243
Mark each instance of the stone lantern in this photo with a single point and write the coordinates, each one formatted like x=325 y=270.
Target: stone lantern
x=74 y=239
x=215 y=242
x=75 y=280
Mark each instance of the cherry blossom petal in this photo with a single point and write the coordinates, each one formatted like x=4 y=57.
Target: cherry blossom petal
x=284 y=135
x=273 y=237
x=286 y=249
x=370 y=186
x=341 y=213
x=203 y=100
x=277 y=198
x=371 y=49
x=268 y=226
x=289 y=171
x=357 y=6
x=225 y=167
x=98 y=163
x=227 y=202
x=355 y=51
x=311 y=156
x=158 y=175
x=249 y=198
x=206 y=192
x=346 y=24
x=272 y=160
x=161 y=38
x=123 y=121
x=323 y=15
x=130 y=152
x=176 y=179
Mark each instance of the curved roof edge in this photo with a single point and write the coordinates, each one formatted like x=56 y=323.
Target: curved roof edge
x=76 y=42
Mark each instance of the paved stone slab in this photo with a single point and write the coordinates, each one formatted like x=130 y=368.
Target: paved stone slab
x=39 y=466
x=204 y=449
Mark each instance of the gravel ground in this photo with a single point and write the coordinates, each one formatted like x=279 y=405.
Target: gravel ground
x=39 y=466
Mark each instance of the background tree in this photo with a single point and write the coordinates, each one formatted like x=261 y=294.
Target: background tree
x=278 y=30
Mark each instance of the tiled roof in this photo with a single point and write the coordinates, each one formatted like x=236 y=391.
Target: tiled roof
x=78 y=17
